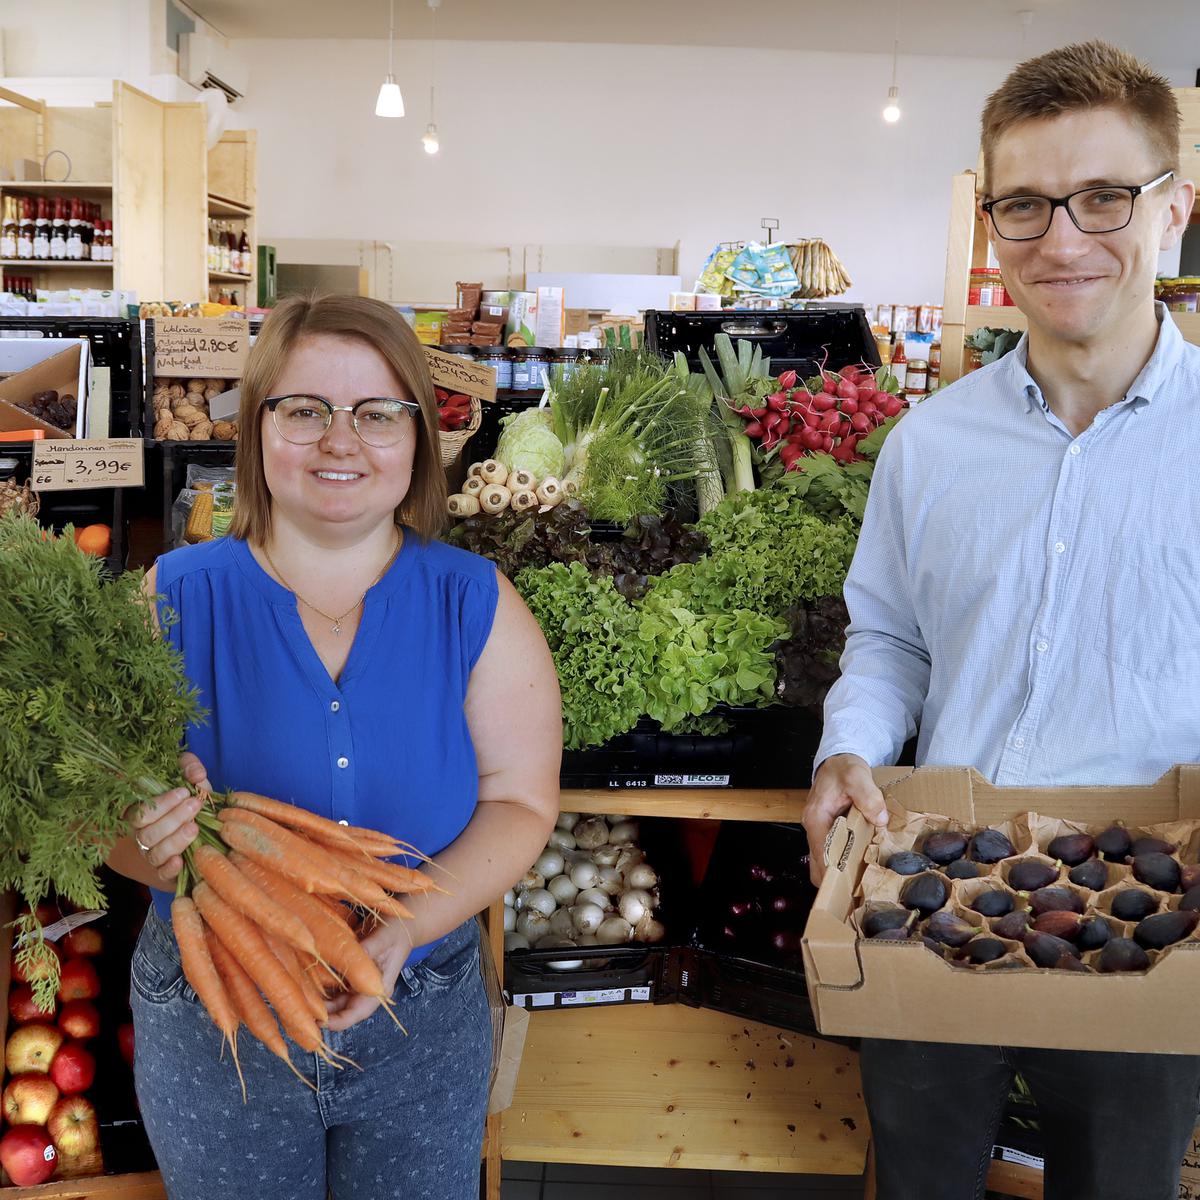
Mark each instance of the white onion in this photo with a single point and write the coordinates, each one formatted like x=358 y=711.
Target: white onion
x=510 y=898
x=650 y=930
x=510 y=920
x=563 y=889
x=634 y=905
x=585 y=875
x=531 y=879
x=567 y=820
x=610 y=880
x=532 y=924
x=606 y=856
x=586 y=939
x=629 y=857
x=553 y=941
x=561 y=839
x=616 y=818
x=516 y=941
x=602 y=900
x=590 y=833
x=561 y=923
x=624 y=833
x=641 y=876
x=537 y=899
x=614 y=931
x=587 y=917
x=549 y=863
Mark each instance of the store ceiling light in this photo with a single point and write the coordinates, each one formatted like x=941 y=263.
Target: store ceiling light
x=891 y=110
x=430 y=140
x=390 y=102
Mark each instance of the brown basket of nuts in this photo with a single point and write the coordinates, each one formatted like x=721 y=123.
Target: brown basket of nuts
x=181 y=413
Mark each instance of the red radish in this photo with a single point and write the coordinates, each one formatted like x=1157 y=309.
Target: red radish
x=829 y=384
x=789 y=454
x=843 y=428
x=777 y=402
x=773 y=421
x=892 y=407
x=827 y=442
x=810 y=439
x=754 y=429
x=812 y=418
x=824 y=402
x=830 y=421
x=849 y=407
x=787 y=380
x=851 y=373
x=846 y=390
x=860 y=423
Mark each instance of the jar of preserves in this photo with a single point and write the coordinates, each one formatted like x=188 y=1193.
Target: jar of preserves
x=530 y=363
x=500 y=360
x=566 y=357
x=917 y=377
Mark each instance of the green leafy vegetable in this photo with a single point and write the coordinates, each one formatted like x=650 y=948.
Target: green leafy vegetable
x=529 y=443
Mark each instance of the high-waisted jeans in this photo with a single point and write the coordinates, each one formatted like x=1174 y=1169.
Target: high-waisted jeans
x=409 y=1124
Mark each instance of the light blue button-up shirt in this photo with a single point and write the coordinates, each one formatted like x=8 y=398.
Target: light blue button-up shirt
x=1028 y=600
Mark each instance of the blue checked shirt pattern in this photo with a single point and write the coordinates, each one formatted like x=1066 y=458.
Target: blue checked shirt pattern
x=1028 y=600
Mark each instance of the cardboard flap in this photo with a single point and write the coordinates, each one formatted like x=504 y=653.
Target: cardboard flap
x=828 y=940
x=830 y=950
x=947 y=791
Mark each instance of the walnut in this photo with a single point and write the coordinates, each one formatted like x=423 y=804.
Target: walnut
x=224 y=431
x=162 y=427
x=189 y=413
x=178 y=432
x=201 y=431
x=175 y=391
x=196 y=399
x=210 y=392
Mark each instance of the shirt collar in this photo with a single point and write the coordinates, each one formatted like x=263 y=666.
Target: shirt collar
x=1167 y=351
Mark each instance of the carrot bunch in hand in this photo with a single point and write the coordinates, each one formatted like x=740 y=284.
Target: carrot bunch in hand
x=264 y=913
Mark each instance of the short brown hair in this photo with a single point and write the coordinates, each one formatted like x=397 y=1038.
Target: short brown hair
x=379 y=326
x=1080 y=77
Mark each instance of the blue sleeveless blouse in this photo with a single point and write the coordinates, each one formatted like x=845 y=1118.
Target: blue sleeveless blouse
x=387 y=746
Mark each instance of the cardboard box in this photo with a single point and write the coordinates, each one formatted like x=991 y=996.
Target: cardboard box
x=33 y=365
x=901 y=990
x=1189 y=1175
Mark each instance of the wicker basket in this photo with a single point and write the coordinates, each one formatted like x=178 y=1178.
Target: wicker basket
x=452 y=443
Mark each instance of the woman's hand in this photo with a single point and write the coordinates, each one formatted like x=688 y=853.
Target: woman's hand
x=163 y=827
x=388 y=947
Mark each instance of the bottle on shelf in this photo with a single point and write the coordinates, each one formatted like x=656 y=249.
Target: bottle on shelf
x=58 y=230
x=244 y=256
x=74 y=233
x=8 y=229
x=87 y=229
x=25 y=229
x=226 y=261
x=41 y=229
x=899 y=364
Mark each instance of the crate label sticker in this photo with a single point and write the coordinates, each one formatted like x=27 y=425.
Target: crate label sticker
x=461 y=375
x=65 y=465
x=605 y=996
x=1007 y=1154
x=691 y=780
x=533 y=999
x=209 y=347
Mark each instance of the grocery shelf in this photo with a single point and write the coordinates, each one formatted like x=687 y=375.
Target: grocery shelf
x=219 y=206
x=709 y=804
x=50 y=187
x=41 y=264
x=229 y=276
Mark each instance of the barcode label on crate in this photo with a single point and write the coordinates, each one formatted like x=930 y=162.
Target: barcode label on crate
x=1007 y=1154
x=606 y=995
x=691 y=780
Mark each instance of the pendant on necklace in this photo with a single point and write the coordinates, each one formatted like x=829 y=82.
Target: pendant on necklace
x=337 y=627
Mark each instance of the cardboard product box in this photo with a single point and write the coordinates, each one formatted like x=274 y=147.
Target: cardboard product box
x=551 y=311
x=1189 y=1175
x=522 y=319
x=32 y=365
x=901 y=990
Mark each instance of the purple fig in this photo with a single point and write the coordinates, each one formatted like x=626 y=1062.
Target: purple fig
x=1133 y=904
x=962 y=868
x=1014 y=926
x=990 y=846
x=1031 y=874
x=1164 y=929
x=1114 y=843
x=1072 y=848
x=1093 y=933
x=888 y=918
x=1092 y=875
x=945 y=927
x=1151 y=845
x=944 y=846
x=1065 y=925
x=1052 y=899
x=909 y=862
x=1045 y=949
x=1159 y=871
x=984 y=950
x=993 y=903
x=926 y=893
x=1122 y=954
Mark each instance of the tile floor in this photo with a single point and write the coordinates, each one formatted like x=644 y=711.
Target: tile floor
x=556 y=1181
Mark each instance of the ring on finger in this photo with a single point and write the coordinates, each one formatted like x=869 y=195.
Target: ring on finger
x=141 y=845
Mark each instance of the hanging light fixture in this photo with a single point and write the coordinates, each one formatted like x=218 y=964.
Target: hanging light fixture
x=891 y=110
x=430 y=140
x=390 y=102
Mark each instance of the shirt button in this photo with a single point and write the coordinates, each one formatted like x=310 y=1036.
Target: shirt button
x=343 y=822
x=1059 y=547
x=343 y=762
x=1042 y=647
x=335 y=706
x=1074 y=449
x=1018 y=742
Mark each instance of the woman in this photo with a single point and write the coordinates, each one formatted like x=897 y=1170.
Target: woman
x=357 y=668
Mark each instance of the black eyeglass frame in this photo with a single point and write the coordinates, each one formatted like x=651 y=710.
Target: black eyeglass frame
x=1134 y=190
x=271 y=403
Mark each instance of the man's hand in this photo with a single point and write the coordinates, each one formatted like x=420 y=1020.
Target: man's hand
x=389 y=946
x=843 y=782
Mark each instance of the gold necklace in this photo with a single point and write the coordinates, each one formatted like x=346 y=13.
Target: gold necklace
x=336 y=627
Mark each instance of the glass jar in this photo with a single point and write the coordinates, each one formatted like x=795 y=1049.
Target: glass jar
x=917 y=378
x=500 y=360
x=530 y=363
x=566 y=357
x=1185 y=295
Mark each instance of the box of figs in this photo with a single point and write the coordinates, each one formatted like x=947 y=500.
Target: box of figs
x=1059 y=917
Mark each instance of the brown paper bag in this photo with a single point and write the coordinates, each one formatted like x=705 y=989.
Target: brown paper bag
x=509 y=1025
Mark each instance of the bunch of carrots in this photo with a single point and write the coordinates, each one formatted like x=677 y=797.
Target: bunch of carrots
x=265 y=913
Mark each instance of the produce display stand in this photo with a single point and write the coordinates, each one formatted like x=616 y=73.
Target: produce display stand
x=967 y=250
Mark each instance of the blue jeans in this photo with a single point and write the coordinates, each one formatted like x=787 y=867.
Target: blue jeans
x=409 y=1124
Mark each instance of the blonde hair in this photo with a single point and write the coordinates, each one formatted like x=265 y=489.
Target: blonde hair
x=372 y=323
x=1077 y=78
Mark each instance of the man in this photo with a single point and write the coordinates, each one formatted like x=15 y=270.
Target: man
x=1026 y=592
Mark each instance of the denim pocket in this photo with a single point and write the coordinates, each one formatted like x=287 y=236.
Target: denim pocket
x=453 y=960
x=156 y=972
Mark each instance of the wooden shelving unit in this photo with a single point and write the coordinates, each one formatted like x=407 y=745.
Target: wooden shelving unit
x=232 y=194
x=56 y=264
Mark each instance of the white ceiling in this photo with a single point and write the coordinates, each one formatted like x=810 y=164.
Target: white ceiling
x=1167 y=32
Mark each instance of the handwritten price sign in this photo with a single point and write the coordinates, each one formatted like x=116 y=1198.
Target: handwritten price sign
x=60 y=465
x=205 y=347
x=460 y=375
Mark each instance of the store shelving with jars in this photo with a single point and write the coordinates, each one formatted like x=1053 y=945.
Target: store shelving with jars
x=232 y=244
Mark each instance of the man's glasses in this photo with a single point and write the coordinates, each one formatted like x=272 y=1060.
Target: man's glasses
x=1093 y=210
x=379 y=421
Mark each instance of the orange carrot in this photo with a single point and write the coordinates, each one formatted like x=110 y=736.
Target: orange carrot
x=272 y=846
x=249 y=899
x=291 y=961
x=203 y=976
x=343 y=912
x=294 y=818
x=243 y=940
x=251 y=1007
x=391 y=877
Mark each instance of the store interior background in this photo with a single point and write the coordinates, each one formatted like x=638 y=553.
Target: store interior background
x=601 y=137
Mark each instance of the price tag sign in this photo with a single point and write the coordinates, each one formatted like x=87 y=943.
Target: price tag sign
x=63 y=465
x=201 y=347
x=461 y=375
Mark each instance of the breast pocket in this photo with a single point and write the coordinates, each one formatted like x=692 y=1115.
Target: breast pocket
x=1150 y=611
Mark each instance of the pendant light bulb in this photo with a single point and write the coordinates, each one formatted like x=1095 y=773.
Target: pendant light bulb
x=430 y=140
x=390 y=103
x=891 y=112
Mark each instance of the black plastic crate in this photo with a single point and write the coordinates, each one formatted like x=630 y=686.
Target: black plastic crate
x=800 y=340
x=115 y=344
x=483 y=444
x=175 y=459
x=761 y=747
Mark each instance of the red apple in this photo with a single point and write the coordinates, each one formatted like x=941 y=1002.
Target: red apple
x=47 y=912
x=79 y=1019
x=125 y=1042
x=41 y=968
x=85 y=942
x=28 y=1099
x=73 y=1068
x=79 y=980
x=32 y=1048
x=73 y=1126
x=28 y=1155
x=22 y=1007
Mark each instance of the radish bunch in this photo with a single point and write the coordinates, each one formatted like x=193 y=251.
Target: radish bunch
x=832 y=413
